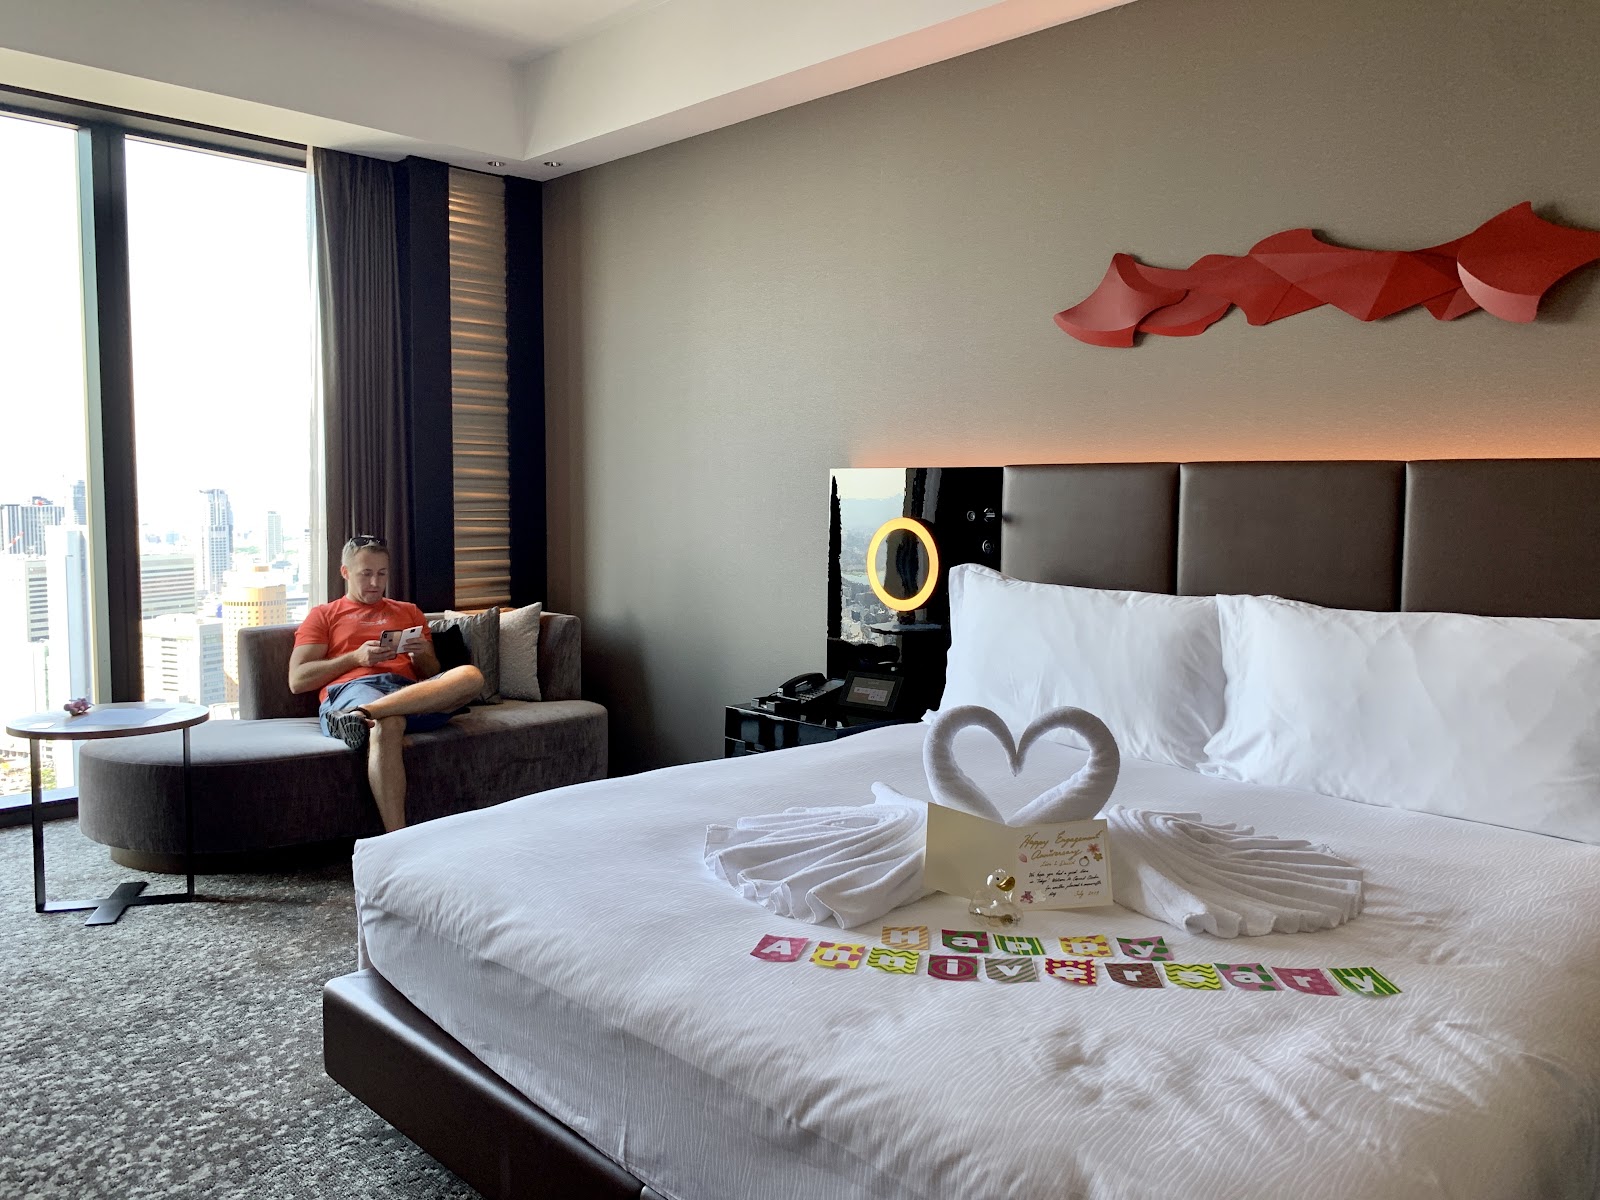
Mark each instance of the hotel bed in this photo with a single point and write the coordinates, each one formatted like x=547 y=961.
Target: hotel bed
x=558 y=1000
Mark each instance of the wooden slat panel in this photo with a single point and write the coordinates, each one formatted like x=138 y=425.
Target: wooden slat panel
x=479 y=389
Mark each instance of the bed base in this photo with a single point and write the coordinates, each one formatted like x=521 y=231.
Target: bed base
x=387 y=1054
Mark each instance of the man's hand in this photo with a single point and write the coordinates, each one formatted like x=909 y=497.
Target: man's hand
x=370 y=654
x=425 y=661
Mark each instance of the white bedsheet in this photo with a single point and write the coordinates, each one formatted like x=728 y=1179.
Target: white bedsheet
x=574 y=942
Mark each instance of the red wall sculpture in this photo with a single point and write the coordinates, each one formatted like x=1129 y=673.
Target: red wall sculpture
x=1503 y=267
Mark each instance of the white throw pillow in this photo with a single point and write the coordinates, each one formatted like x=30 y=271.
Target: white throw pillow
x=519 y=652
x=1492 y=719
x=1147 y=665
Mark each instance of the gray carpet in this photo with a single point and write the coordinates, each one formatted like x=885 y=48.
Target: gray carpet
x=179 y=1052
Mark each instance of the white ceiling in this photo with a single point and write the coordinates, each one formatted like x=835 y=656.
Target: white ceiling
x=537 y=88
x=512 y=29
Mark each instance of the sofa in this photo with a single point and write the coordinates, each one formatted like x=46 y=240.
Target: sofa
x=271 y=780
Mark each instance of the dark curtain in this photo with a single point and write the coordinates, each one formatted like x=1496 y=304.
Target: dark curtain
x=367 y=467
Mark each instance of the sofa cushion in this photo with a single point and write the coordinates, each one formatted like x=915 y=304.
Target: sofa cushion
x=482 y=634
x=519 y=652
x=449 y=647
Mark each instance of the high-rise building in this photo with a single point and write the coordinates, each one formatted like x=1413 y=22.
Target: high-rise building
x=256 y=596
x=67 y=582
x=274 y=537
x=183 y=659
x=166 y=584
x=24 y=599
x=80 y=503
x=214 y=546
x=22 y=526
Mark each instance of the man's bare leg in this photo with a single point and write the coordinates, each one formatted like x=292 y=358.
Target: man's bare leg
x=445 y=692
x=386 y=718
x=386 y=771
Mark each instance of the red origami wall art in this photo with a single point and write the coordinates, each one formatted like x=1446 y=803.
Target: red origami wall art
x=1503 y=267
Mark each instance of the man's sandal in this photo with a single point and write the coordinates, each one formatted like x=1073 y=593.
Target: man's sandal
x=351 y=727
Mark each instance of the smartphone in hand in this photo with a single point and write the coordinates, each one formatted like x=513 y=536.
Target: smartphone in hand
x=401 y=641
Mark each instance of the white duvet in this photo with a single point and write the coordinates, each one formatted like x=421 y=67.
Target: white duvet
x=575 y=943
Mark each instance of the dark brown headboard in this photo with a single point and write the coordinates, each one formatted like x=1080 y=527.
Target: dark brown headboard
x=1507 y=537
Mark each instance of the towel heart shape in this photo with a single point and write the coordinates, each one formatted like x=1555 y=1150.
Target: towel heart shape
x=1073 y=800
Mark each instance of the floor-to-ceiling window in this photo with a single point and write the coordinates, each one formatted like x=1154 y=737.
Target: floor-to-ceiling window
x=47 y=626
x=221 y=302
x=155 y=307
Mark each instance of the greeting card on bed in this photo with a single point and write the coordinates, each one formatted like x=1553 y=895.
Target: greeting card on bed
x=1056 y=866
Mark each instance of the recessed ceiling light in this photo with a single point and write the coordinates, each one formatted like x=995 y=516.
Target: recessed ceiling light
x=550 y=162
x=494 y=162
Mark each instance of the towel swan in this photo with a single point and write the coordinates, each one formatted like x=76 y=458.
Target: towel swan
x=852 y=864
x=1076 y=799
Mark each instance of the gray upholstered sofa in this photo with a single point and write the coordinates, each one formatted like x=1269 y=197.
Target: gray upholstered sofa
x=272 y=780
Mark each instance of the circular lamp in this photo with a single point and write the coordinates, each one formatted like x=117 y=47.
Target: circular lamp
x=908 y=603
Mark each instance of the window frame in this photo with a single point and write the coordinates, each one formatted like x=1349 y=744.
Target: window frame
x=102 y=133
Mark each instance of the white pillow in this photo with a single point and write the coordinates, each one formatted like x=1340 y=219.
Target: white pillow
x=1492 y=719
x=1148 y=665
x=519 y=652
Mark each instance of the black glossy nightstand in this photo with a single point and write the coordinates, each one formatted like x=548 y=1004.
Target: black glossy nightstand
x=757 y=726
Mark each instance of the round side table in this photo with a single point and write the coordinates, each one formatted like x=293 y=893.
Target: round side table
x=108 y=721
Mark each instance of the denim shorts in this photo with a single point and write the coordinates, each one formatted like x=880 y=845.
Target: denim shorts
x=356 y=693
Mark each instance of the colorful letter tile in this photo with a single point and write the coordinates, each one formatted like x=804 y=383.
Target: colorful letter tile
x=1011 y=970
x=905 y=937
x=952 y=966
x=1364 y=981
x=1310 y=980
x=774 y=948
x=1089 y=943
x=966 y=941
x=1071 y=970
x=1150 y=949
x=842 y=956
x=1252 y=977
x=1012 y=943
x=1200 y=976
x=1134 y=974
x=896 y=962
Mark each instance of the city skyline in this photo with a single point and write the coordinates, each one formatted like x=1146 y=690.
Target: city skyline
x=188 y=633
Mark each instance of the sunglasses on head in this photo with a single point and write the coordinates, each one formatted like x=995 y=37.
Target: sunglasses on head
x=362 y=541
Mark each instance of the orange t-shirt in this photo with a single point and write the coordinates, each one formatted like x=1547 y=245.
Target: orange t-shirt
x=345 y=625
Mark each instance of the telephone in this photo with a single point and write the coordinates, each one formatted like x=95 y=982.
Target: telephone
x=811 y=693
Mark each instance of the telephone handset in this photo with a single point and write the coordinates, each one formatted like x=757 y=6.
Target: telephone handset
x=809 y=692
x=802 y=685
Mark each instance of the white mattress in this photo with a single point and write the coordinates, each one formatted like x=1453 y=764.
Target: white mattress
x=574 y=942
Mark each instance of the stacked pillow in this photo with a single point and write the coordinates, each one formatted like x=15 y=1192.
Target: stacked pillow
x=1491 y=719
x=1149 y=666
x=502 y=643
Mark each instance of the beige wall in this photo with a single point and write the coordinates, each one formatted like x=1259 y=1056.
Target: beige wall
x=869 y=280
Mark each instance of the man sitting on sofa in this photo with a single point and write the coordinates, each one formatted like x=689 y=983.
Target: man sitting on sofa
x=370 y=694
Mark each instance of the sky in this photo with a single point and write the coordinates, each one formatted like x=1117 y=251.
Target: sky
x=871 y=483
x=222 y=328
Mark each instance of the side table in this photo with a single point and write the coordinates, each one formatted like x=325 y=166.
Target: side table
x=756 y=726
x=108 y=721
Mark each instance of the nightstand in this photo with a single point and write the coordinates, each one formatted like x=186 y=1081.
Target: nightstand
x=757 y=726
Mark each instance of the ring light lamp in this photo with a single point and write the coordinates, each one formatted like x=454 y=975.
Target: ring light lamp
x=923 y=536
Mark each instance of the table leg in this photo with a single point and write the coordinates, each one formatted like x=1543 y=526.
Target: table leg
x=38 y=826
x=109 y=909
x=188 y=819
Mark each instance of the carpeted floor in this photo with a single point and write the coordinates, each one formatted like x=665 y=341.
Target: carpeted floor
x=179 y=1052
